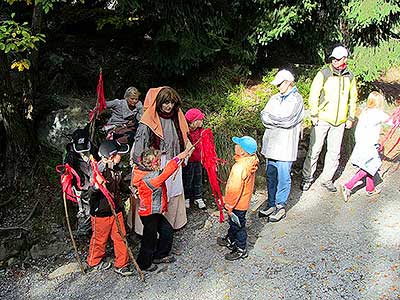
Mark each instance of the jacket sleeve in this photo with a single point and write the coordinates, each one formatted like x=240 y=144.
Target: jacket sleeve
x=315 y=92
x=142 y=140
x=112 y=103
x=234 y=187
x=284 y=118
x=169 y=169
x=353 y=99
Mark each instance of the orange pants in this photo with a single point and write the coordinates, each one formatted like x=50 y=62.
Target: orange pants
x=102 y=228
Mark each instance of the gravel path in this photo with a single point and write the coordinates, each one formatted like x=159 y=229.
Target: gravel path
x=323 y=249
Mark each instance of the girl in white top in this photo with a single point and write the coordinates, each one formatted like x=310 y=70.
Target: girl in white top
x=365 y=153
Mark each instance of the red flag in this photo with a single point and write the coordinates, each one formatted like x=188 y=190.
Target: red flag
x=101 y=100
x=210 y=162
x=66 y=181
x=100 y=184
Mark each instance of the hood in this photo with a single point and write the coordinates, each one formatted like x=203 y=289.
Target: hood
x=138 y=174
x=250 y=162
x=151 y=118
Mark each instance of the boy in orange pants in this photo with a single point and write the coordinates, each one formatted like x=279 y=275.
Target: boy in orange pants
x=103 y=222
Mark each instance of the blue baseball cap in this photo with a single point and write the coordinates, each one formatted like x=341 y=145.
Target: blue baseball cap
x=247 y=143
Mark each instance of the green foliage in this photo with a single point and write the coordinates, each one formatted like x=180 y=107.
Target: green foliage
x=370 y=62
x=17 y=37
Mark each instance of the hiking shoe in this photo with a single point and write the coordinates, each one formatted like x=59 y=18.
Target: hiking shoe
x=329 y=186
x=150 y=269
x=278 y=215
x=305 y=185
x=236 y=254
x=225 y=242
x=374 y=192
x=200 y=203
x=187 y=203
x=102 y=266
x=124 y=271
x=345 y=193
x=266 y=212
x=165 y=260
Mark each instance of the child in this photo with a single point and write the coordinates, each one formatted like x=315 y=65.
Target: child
x=150 y=182
x=239 y=189
x=365 y=154
x=193 y=172
x=103 y=221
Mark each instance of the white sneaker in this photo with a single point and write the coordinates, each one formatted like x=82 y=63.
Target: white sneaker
x=187 y=203
x=200 y=203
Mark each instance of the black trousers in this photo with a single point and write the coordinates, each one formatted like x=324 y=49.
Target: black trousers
x=152 y=247
x=193 y=180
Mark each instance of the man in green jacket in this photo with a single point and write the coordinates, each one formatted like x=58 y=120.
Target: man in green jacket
x=332 y=101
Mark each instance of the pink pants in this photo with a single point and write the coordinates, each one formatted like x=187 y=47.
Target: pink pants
x=360 y=175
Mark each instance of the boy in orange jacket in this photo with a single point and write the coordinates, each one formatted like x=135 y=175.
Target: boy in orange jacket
x=239 y=190
x=150 y=182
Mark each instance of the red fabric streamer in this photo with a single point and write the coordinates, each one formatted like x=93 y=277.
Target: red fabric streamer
x=101 y=100
x=395 y=121
x=210 y=162
x=99 y=180
x=66 y=181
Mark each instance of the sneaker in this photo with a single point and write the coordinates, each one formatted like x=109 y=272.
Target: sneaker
x=305 y=185
x=200 y=203
x=125 y=271
x=266 y=212
x=374 y=192
x=345 y=193
x=102 y=266
x=187 y=203
x=329 y=186
x=236 y=254
x=165 y=260
x=225 y=242
x=278 y=215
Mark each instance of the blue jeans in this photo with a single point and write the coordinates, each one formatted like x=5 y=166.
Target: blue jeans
x=236 y=234
x=278 y=182
x=193 y=180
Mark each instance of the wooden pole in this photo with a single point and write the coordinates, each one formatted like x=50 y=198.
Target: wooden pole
x=71 y=235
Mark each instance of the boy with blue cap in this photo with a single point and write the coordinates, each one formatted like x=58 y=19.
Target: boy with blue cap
x=239 y=190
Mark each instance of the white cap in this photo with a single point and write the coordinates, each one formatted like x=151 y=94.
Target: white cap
x=281 y=76
x=339 y=52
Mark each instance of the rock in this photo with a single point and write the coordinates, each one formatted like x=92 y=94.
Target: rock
x=12 y=247
x=65 y=270
x=12 y=261
x=53 y=249
x=56 y=128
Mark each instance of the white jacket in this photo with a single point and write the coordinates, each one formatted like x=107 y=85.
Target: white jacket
x=282 y=117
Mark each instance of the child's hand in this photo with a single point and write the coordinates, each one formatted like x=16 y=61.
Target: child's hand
x=183 y=154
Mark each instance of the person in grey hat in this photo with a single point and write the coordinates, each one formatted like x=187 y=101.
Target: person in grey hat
x=333 y=97
x=282 y=117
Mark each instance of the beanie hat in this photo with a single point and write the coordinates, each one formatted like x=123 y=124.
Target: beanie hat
x=194 y=114
x=109 y=148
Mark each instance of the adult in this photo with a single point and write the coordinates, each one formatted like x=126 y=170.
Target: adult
x=163 y=127
x=125 y=116
x=333 y=97
x=282 y=117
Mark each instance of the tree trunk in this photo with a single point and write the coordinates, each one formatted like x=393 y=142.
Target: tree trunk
x=37 y=18
x=20 y=148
